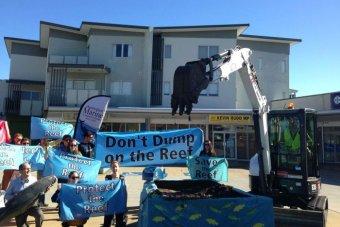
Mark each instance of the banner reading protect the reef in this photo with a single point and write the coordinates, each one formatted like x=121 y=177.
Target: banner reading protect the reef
x=45 y=128
x=148 y=148
x=82 y=201
x=61 y=164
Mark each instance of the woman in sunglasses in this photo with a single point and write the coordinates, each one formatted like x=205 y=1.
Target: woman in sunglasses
x=73 y=178
x=73 y=147
x=208 y=150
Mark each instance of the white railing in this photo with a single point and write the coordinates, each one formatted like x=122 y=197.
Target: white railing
x=59 y=59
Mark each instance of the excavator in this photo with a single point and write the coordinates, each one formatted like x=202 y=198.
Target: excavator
x=286 y=140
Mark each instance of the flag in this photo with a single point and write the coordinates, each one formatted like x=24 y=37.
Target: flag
x=91 y=115
x=5 y=137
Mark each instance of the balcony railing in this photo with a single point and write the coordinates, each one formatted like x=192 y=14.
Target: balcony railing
x=59 y=59
x=12 y=106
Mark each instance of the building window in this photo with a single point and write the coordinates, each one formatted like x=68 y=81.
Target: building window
x=122 y=50
x=121 y=88
x=283 y=66
x=166 y=88
x=31 y=95
x=167 y=51
x=81 y=84
x=207 y=51
x=212 y=90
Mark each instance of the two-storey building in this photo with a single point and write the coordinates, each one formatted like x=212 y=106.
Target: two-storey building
x=51 y=77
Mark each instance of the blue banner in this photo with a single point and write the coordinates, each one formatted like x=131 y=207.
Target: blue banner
x=11 y=156
x=61 y=164
x=208 y=168
x=91 y=115
x=44 y=128
x=148 y=148
x=335 y=100
x=81 y=201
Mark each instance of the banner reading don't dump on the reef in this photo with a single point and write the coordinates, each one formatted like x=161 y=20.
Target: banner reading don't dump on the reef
x=148 y=148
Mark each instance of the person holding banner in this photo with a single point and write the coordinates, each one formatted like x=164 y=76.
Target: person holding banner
x=64 y=144
x=73 y=178
x=9 y=172
x=208 y=150
x=86 y=147
x=44 y=144
x=19 y=184
x=121 y=218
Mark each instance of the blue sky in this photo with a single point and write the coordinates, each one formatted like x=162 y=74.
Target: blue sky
x=314 y=63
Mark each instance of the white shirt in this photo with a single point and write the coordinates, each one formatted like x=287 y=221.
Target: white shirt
x=17 y=185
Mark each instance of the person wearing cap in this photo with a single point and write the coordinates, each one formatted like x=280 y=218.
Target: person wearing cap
x=87 y=147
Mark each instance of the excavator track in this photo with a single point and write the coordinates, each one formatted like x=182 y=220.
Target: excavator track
x=297 y=217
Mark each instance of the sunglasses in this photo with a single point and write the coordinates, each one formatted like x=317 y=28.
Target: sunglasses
x=73 y=145
x=73 y=178
x=25 y=143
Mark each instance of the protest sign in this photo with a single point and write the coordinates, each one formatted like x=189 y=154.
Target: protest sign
x=91 y=115
x=11 y=156
x=45 y=128
x=81 y=201
x=61 y=164
x=148 y=148
x=208 y=168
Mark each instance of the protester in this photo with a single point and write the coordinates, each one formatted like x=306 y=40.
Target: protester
x=25 y=141
x=64 y=144
x=86 y=147
x=7 y=174
x=121 y=218
x=44 y=144
x=73 y=178
x=73 y=148
x=17 y=139
x=19 y=184
x=208 y=150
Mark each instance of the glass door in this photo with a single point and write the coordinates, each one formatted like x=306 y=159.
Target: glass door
x=225 y=144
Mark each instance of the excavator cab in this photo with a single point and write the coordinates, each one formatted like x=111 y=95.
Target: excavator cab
x=294 y=158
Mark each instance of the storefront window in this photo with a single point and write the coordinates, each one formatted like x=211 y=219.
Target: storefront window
x=331 y=139
x=105 y=127
x=118 y=127
x=171 y=126
x=242 y=151
x=132 y=127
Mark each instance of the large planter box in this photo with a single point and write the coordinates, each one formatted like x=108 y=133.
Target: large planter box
x=203 y=203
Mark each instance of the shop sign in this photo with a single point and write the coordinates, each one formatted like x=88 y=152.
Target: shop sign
x=335 y=100
x=230 y=119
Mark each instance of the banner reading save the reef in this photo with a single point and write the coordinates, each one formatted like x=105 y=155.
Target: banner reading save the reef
x=11 y=156
x=148 y=148
x=208 y=168
x=82 y=201
x=44 y=128
x=61 y=164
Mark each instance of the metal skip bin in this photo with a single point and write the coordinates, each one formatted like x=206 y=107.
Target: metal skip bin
x=203 y=203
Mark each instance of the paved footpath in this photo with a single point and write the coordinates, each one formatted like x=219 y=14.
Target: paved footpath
x=237 y=178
